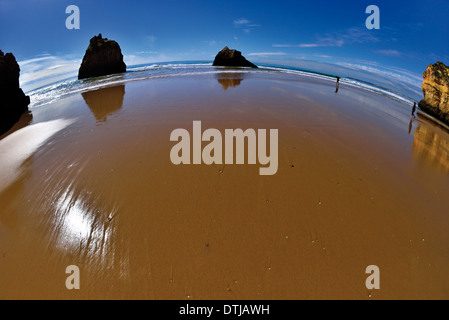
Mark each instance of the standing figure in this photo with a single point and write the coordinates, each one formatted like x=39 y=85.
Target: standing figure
x=337 y=85
x=413 y=110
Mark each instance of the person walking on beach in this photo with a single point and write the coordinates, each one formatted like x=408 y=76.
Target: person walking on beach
x=337 y=85
x=413 y=110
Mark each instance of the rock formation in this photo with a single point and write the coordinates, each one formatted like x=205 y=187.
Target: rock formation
x=13 y=102
x=231 y=58
x=436 y=91
x=102 y=57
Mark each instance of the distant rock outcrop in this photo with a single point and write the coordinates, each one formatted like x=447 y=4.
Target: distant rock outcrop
x=231 y=58
x=13 y=102
x=102 y=57
x=436 y=91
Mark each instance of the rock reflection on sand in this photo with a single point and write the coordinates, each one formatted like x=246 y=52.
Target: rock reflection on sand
x=431 y=147
x=105 y=101
x=229 y=80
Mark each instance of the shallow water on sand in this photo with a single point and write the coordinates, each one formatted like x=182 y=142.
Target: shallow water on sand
x=357 y=185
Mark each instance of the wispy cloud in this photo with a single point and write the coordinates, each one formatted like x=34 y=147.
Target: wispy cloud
x=390 y=53
x=266 y=54
x=336 y=39
x=301 y=45
x=240 y=22
x=246 y=25
x=132 y=59
x=46 y=69
x=211 y=43
x=149 y=40
x=146 y=52
x=394 y=74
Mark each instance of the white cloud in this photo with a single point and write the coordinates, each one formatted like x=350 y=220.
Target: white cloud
x=150 y=39
x=390 y=53
x=132 y=60
x=212 y=43
x=241 y=21
x=336 y=39
x=146 y=52
x=302 y=45
x=389 y=73
x=246 y=25
x=266 y=54
x=322 y=56
x=44 y=70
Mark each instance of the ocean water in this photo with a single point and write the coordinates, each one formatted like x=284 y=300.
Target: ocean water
x=53 y=92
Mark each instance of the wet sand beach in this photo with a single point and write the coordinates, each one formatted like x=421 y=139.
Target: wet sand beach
x=89 y=182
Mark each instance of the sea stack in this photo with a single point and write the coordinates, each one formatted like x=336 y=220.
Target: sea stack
x=13 y=102
x=436 y=91
x=102 y=57
x=231 y=58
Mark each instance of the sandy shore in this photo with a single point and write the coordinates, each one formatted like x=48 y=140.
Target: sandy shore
x=94 y=187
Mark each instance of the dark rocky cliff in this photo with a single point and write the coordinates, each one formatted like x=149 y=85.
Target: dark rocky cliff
x=13 y=102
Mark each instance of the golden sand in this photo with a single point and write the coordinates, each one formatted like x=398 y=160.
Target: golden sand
x=96 y=188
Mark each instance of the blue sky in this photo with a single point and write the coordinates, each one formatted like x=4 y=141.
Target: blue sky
x=412 y=34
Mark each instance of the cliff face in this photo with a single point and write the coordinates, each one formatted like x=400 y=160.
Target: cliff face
x=13 y=102
x=231 y=58
x=102 y=57
x=436 y=91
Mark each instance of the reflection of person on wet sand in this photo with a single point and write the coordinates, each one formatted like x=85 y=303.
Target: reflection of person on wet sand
x=410 y=125
x=337 y=85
